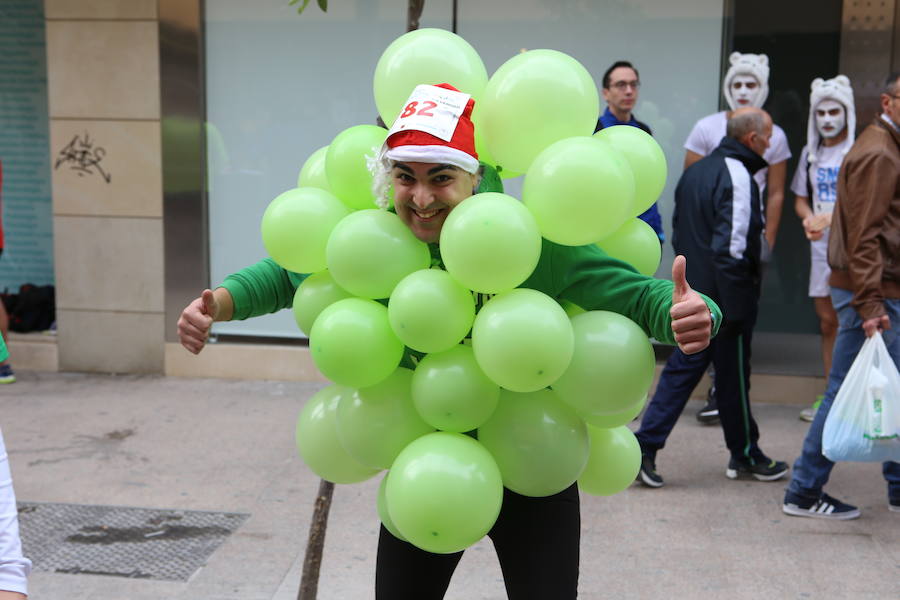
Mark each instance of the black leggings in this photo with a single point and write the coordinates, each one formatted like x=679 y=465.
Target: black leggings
x=536 y=539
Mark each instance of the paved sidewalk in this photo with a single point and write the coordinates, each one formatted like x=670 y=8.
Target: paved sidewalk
x=216 y=445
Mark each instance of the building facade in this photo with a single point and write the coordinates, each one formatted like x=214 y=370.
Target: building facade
x=170 y=125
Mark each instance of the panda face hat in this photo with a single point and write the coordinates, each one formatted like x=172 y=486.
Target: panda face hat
x=839 y=90
x=755 y=65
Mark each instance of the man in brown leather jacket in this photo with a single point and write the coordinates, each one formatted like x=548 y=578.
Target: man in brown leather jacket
x=864 y=254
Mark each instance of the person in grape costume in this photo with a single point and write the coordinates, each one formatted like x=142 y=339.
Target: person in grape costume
x=536 y=538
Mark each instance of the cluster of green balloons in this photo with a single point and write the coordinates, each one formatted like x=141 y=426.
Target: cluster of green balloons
x=543 y=390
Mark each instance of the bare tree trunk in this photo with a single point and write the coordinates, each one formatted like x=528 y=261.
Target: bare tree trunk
x=309 y=580
x=413 y=14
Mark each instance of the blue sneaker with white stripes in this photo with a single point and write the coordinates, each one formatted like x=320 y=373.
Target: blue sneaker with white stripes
x=825 y=507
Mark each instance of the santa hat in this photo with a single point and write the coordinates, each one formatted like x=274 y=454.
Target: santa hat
x=755 y=65
x=415 y=145
x=839 y=90
x=409 y=142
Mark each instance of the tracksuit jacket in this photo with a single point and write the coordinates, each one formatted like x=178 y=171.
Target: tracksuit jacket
x=718 y=224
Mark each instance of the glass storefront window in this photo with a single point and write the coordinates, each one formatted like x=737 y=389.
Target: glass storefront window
x=281 y=85
x=24 y=147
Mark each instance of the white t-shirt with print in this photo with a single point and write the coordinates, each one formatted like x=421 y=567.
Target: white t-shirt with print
x=708 y=132
x=822 y=176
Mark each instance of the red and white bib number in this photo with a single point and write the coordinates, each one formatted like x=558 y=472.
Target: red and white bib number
x=433 y=110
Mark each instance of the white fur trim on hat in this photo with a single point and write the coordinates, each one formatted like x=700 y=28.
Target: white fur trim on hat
x=839 y=90
x=434 y=154
x=756 y=65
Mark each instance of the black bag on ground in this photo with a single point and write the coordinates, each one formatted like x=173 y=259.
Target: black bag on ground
x=32 y=309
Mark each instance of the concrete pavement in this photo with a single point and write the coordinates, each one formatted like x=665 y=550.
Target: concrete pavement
x=217 y=445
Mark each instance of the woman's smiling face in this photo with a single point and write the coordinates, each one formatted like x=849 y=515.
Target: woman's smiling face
x=425 y=193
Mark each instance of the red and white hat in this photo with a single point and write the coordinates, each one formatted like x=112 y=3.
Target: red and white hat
x=435 y=127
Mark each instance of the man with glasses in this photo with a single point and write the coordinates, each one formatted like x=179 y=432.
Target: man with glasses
x=863 y=252
x=621 y=83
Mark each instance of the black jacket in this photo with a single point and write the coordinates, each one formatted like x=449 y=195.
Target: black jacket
x=718 y=224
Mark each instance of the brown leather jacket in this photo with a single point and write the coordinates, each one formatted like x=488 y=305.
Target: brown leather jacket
x=864 y=250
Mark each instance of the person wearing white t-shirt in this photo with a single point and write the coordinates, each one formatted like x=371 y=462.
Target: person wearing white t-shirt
x=14 y=568
x=746 y=84
x=830 y=135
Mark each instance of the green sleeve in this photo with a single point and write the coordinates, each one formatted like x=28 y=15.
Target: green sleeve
x=261 y=289
x=590 y=278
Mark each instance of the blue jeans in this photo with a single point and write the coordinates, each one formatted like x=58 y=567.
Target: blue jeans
x=812 y=469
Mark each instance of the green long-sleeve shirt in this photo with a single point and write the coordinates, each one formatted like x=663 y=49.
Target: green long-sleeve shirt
x=583 y=275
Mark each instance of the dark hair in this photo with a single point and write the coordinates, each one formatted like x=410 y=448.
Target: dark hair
x=890 y=84
x=616 y=65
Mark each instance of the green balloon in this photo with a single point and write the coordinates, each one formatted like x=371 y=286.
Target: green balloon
x=571 y=308
x=538 y=441
x=346 y=165
x=383 y=513
x=313 y=295
x=444 y=492
x=616 y=419
x=614 y=462
x=490 y=243
x=522 y=340
x=579 y=190
x=612 y=367
x=430 y=311
x=352 y=344
x=375 y=423
x=636 y=243
x=533 y=100
x=425 y=56
x=318 y=442
x=296 y=226
x=507 y=174
x=451 y=392
x=646 y=159
x=312 y=174
x=370 y=251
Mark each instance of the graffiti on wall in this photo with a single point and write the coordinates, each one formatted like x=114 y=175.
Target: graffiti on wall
x=83 y=157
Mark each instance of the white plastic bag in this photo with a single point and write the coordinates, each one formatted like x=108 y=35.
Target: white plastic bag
x=864 y=421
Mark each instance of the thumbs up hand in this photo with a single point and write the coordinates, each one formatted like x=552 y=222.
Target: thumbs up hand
x=691 y=319
x=196 y=320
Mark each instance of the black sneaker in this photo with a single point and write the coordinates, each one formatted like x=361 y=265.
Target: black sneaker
x=894 y=505
x=763 y=470
x=648 y=475
x=825 y=507
x=709 y=414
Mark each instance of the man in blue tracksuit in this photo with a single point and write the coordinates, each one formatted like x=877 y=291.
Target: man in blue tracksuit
x=717 y=225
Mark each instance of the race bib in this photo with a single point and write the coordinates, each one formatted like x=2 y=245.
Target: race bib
x=433 y=110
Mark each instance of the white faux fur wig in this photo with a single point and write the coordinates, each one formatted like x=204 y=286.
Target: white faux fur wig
x=839 y=90
x=756 y=65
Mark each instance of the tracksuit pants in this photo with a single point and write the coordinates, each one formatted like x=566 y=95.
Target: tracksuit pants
x=729 y=352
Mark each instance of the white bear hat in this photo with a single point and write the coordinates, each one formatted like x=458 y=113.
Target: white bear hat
x=839 y=90
x=756 y=65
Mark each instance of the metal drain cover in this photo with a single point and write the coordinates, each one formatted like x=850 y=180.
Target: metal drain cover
x=141 y=543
